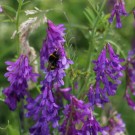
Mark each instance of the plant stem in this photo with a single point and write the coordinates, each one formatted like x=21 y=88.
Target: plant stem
x=21 y=115
x=91 y=49
x=17 y=23
x=91 y=46
x=69 y=120
x=19 y=122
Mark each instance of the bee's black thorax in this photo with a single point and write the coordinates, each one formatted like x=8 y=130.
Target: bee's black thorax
x=53 y=59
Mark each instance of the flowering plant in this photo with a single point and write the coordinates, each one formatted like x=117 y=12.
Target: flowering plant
x=59 y=87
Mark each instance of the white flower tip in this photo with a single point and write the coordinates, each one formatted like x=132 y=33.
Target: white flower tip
x=14 y=34
x=45 y=19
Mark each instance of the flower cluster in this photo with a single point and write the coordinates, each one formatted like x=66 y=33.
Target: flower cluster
x=116 y=126
x=43 y=110
x=54 y=45
x=62 y=93
x=79 y=119
x=130 y=77
x=19 y=73
x=54 y=61
x=78 y=116
x=108 y=72
x=118 y=11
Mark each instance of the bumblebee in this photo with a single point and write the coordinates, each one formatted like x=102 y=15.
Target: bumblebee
x=53 y=59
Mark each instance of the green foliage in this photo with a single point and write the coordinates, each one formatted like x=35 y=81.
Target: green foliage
x=12 y=131
x=88 y=31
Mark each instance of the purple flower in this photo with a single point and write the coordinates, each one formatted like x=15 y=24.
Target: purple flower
x=61 y=93
x=134 y=14
x=1 y=9
x=123 y=10
x=19 y=73
x=54 y=40
x=110 y=4
x=54 y=61
x=91 y=127
x=130 y=101
x=133 y=42
x=130 y=77
x=53 y=56
x=44 y=111
x=118 y=11
x=108 y=72
x=76 y=86
x=79 y=119
x=115 y=126
x=40 y=128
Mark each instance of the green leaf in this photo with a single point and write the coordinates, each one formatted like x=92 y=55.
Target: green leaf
x=20 y=1
x=25 y=3
x=7 y=20
x=8 y=8
x=6 y=51
x=89 y=15
x=119 y=49
x=1 y=95
x=12 y=130
x=93 y=7
x=1 y=15
x=4 y=128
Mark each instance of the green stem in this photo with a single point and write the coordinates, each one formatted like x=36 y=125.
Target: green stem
x=69 y=120
x=11 y=19
x=83 y=27
x=2 y=100
x=19 y=122
x=91 y=46
x=5 y=128
x=21 y=111
x=18 y=15
x=21 y=116
x=17 y=23
x=91 y=49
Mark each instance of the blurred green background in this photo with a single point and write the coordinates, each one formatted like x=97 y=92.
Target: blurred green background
x=74 y=14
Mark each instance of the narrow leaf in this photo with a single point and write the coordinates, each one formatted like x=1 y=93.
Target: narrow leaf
x=9 y=8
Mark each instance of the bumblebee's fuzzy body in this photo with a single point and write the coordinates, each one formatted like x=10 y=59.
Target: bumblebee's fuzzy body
x=53 y=59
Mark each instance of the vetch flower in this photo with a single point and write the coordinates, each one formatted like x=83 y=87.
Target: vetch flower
x=19 y=73
x=130 y=77
x=76 y=86
x=130 y=101
x=61 y=93
x=115 y=126
x=53 y=57
x=53 y=61
x=44 y=111
x=134 y=14
x=118 y=11
x=110 y=4
x=54 y=41
x=79 y=119
x=108 y=73
x=123 y=10
x=1 y=9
